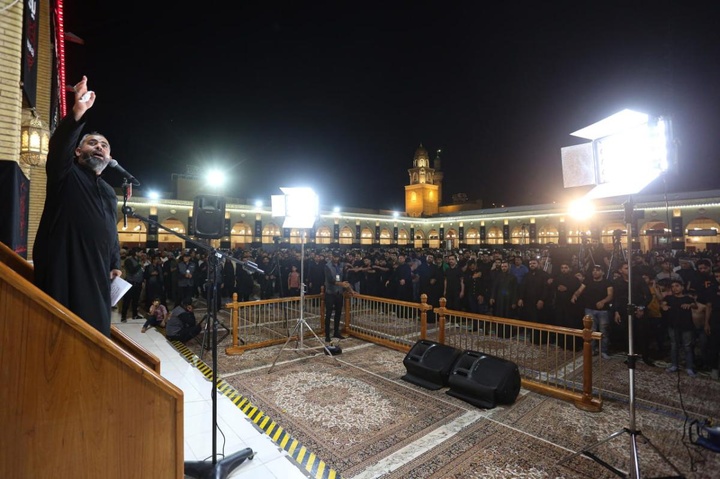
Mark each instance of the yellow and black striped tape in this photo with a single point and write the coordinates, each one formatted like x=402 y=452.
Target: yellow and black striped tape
x=317 y=468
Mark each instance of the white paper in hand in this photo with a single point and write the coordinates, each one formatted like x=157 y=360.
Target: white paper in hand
x=118 y=288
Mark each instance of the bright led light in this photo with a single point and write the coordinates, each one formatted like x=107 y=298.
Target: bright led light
x=258 y=203
x=299 y=206
x=628 y=151
x=581 y=209
x=215 y=178
x=153 y=195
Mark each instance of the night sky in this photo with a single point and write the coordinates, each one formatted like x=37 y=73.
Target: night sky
x=338 y=95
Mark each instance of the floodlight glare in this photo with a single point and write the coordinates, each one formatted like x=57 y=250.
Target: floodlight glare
x=215 y=178
x=299 y=206
x=581 y=209
x=628 y=151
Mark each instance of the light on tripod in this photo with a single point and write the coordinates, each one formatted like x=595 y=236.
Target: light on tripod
x=627 y=151
x=300 y=207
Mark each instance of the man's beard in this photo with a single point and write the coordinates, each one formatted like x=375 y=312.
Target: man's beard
x=94 y=163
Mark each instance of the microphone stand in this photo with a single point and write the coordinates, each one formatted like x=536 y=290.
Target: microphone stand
x=127 y=193
x=217 y=469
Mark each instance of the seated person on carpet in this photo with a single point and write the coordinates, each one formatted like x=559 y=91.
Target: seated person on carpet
x=182 y=325
x=157 y=317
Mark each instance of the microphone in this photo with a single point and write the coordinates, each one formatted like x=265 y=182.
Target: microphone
x=115 y=165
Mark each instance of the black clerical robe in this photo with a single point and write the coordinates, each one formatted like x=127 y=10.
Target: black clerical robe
x=76 y=245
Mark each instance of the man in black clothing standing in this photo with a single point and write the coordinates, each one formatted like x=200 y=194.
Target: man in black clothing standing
x=76 y=252
x=534 y=298
x=335 y=286
x=567 y=314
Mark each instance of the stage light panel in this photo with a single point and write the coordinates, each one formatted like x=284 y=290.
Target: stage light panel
x=620 y=121
x=628 y=151
x=299 y=206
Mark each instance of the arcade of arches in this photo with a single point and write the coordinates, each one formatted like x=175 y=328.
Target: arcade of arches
x=690 y=225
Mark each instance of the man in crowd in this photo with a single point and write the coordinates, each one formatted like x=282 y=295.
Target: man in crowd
x=597 y=295
x=182 y=325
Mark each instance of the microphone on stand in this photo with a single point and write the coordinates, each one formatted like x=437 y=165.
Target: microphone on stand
x=116 y=166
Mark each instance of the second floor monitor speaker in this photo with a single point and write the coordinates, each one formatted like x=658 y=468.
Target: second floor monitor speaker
x=209 y=216
x=483 y=380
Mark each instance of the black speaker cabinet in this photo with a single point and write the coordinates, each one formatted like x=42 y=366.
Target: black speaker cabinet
x=484 y=381
x=209 y=216
x=428 y=364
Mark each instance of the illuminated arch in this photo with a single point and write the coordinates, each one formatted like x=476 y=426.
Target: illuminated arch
x=386 y=236
x=241 y=234
x=494 y=235
x=169 y=240
x=269 y=232
x=323 y=235
x=347 y=235
x=367 y=236
x=134 y=233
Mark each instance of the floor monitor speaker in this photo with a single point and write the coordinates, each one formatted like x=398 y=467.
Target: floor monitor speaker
x=484 y=381
x=428 y=364
x=209 y=216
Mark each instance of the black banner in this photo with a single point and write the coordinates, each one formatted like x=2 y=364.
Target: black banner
x=358 y=232
x=483 y=234
x=31 y=32
x=461 y=233
x=258 y=229
x=395 y=233
x=15 y=197
x=442 y=233
x=533 y=232
x=336 y=233
x=377 y=234
x=191 y=226
x=677 y=227
x=226 y=227
x=506 y=233
x=152 y=225
x=412 y=235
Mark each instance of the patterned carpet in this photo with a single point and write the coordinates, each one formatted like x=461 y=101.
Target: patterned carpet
x=355 y=413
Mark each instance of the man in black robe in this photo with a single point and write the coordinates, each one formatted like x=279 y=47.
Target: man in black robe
x=76 y=252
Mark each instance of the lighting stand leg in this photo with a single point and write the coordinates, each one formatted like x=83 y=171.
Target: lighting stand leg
x=222 y=468
x=631 y=360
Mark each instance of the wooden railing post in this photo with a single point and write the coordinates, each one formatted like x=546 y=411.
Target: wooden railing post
x=322 y=311
x=235 y=312
x=587 y=403
x=346 y=309
x=441 y=320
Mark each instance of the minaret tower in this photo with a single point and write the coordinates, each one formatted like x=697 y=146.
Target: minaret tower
x=422 y=195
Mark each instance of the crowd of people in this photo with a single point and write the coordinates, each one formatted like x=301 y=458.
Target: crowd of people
x=675 y=297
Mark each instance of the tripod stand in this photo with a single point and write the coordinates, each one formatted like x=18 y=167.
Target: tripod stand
x=618 y=255
x=301 y=324
x=217 y=469
x=210 y=317
x=631 y=360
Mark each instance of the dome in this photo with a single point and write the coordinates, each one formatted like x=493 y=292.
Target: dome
x=421 y=154
x=422 y=159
